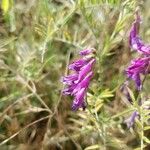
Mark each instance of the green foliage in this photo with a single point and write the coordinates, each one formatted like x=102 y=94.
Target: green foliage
x=5 y=5
x=38 y=39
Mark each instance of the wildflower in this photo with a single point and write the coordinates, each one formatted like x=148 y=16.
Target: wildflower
x=141 y=65
x=86 y=52
x=130 y=121
x=135 y=41
x=78 y=82
x=125 y=91
x=137 y=67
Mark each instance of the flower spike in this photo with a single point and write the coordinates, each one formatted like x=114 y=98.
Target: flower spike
x=78 y=82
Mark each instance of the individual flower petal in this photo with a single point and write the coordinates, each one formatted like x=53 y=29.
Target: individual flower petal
x=125 y=91
x=84 y=83
x=79 y=99
x=135 y=28
x=135 y=41
x=86 y=69
x=77 y=65
x=86 y=52
x=137 y=80
x=130 y=121
x=137 y=67
x=69 y=90
x=70 y=79
x=138 y=44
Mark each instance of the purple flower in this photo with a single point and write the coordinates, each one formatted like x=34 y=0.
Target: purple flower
x=141 y=65
x=137 y=67
x=79 y=99
x=125 y=91
x=77 y=65
x=78 y=82
x=83 y=83
x=135 y=41
x=130 y=121
x=85 y=70
x=86 y=52
x=68 y=80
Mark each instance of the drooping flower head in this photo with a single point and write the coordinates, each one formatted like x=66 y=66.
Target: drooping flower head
x=78 y=82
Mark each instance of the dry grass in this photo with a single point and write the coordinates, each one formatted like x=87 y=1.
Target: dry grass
x=38 y=39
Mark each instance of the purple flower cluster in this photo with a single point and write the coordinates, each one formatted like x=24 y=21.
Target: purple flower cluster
x=78 y=82
x=140 y=66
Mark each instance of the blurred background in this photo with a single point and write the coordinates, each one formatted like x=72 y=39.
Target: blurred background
x=38 y=38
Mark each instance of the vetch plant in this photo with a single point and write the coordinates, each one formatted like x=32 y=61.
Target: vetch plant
x=140 y=65
x=32 y=106
x=78 y=82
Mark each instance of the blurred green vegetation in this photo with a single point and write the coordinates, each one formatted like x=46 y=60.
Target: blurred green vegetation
x=38 y=38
